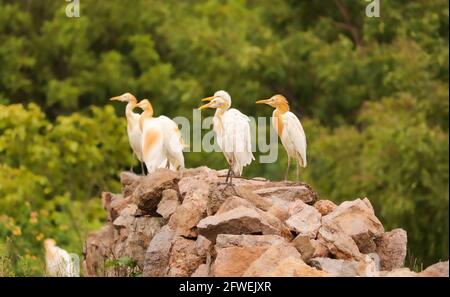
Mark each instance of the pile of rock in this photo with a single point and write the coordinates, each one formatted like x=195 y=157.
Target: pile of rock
x=189 y=224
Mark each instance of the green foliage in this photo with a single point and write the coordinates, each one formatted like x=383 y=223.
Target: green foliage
x=372 y=94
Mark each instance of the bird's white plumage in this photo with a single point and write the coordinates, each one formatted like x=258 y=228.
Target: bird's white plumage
x=232 y=129
x=59 y=262
x=293 y=137
x=235 y=140
x=166 y=144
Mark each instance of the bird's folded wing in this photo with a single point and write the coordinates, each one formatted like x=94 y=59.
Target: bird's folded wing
x=295 y=133
x=237 y=136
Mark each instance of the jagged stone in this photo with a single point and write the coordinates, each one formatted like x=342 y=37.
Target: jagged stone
x=157 y=256
x=231 y=240
x=325 y=206
x=338 y=243
x=234 y=202
x=399 y=272
x=184 y=257
x=191 y=211
x=234 y=261
x=148 y=192
x=168 y=204
x=270 y=258
x=113 y=204
x=439 y=269
x=357 y=220
x=295 y=267
x=304 y=219
x=288 y=192
x=391 y=248
x=129 y=181
x=97 y=251
x=240 y=220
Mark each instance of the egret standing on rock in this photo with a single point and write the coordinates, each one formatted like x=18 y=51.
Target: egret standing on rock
x=289 y=129
x=161 y=140
x=133 y=130
x=232 y=129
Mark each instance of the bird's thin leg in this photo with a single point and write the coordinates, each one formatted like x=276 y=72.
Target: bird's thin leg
x=287 y=169
x=228 y=175
x=142 y=168
x=168 y=164
x=298 y=173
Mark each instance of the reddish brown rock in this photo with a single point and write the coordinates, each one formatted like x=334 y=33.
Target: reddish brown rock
x=168 y=204
x=191 y=211
x=113 y=204
x=270 y=259
x=234 y=202
x=184 y=257
x=97 y=251
x=325 y=206
x=240 y=220
x=391 y=248
x=357 y=220
x=158 y=253
x=288 y=192
x=304 y=219
x=148 y=191
x=264 y=241
x=295 y=267
x=234 y=261
x=439 y=269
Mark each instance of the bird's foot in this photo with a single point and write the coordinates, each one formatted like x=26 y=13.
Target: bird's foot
x=229 y=185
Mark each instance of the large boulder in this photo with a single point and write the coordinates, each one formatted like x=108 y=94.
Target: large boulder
x=357 y=220
x=439 y=269
x=148 y=192
x=157 y=255
x=391 y=248
x=241 y=220
x=192 y=210
x=168 y=204
x=304 y=219
x=184 y=257
x=234 y=261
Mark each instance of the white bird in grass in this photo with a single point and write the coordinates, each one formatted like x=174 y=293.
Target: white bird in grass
x=161 y=142
x=58 y=262
x=133 y=130
x=232 y=129
x=290 y=131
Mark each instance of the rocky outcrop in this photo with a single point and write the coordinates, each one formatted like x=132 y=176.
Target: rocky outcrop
x=189 y=224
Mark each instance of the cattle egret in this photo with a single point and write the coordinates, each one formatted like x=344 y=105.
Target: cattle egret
x=289 y=129
x=133 y=130
x=161 y=140
x=232 y=129
x=58 y=262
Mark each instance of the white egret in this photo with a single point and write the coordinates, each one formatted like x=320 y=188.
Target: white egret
x=133 y=130
x=161 y=140
x=59 y=262
x=232 y=129
x=290 y=131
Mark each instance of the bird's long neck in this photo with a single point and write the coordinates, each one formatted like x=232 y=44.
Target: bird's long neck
x=129 y=109
x=282 y=108
x=147 y=114
x=218 y=124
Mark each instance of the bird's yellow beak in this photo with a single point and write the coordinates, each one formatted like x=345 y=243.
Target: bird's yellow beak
x=208 y=99
x=205 y=106
x=267 y=101
x=117 y=98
